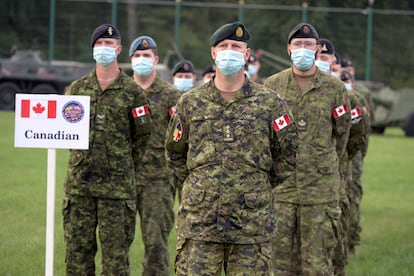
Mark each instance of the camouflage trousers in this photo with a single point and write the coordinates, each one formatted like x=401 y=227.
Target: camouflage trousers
x=305 y=238
x=210 y=258
x=341 y=250
x=115 y=220
x=155 y=204
x=355 y=196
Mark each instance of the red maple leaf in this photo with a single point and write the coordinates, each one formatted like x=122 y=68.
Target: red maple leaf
x=281 y=122
x=38 y=108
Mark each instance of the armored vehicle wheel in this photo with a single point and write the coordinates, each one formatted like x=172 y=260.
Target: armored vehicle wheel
x=44 y=88
x=8 y=91
x=409 y=125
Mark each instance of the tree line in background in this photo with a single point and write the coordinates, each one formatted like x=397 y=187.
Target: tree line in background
x=25 y=25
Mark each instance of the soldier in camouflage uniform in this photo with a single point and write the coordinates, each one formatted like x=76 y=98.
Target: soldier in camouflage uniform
x=355 y=185
x=232 y=135
x=306 y=202
x=155 y=190
x=100 y=189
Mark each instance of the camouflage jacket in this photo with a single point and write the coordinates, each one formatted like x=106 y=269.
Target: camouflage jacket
x=230 y=150
x=323 y=122
x=357 y=139
x=117 y=139
x=162 y=97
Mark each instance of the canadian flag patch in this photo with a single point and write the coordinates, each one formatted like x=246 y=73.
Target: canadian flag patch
x=42 y=109
x=281 y=122
x=339 y=111
x=171 y=111
x=356 y=113
x=140 y=111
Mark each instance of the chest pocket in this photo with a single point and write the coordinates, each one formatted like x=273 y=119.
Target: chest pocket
x=201 y=146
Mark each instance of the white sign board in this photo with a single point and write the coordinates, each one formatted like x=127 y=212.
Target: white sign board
x=51 y=121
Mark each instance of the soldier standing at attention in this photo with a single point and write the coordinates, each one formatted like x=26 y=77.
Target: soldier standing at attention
x=231 y=134
x=184 y=75
x=100 y=191
x=306 y=208
x=155 y=190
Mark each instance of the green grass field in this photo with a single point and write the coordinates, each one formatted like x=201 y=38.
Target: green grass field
x=387 y=242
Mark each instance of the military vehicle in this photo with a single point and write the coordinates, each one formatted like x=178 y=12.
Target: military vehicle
x=392 y=107
x=25 y=71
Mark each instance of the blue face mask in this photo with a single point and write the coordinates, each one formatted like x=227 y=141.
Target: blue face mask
x=348 y=86
x=323 y=65
x=104 y=55
x=142 y=66
x=252 y=70
x=229 y=62
x=302 y=58
x=183 y=84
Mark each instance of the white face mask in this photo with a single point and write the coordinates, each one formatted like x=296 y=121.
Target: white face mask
x=104 y=55
x=335 y=74
x=348 y=86
x=323 y=65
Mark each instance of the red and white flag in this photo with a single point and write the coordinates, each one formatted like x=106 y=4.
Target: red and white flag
x=281 y=122
x=140 y=111
x=42 y=109
x=356 y=113
x=171 y=111
x=339 y=111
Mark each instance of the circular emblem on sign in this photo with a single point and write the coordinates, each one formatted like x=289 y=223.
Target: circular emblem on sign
x=73 y=112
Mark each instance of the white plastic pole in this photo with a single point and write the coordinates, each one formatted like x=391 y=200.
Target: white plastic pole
x=50 y=210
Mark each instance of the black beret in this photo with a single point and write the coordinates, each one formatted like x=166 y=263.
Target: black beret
x=346 y=75
x=338 y=58
x=104 y=31
x=303 y=30
x=346 y=63
x=234 y=31
x=327 y=46
x=142 y=43
x=209 y=69
x=184 y=66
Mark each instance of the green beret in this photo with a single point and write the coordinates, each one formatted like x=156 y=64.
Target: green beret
x=327 y=46
x=303 y=30
x=104 y=31
x=184 y=66
x=234 y=31
x=142 y=43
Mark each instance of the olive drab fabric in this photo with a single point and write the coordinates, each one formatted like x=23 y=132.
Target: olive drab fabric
x=230 y=151
x=323 y=131
x=100 y=186
x=107 y=169
x=155 y=187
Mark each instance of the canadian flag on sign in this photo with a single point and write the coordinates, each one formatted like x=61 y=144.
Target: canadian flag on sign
x=339 y=111
x=356 y=113
x=140 y=111
x=38 y=109
x=281 y=122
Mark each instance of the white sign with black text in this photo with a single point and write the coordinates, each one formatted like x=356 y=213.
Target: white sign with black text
x=51 y=121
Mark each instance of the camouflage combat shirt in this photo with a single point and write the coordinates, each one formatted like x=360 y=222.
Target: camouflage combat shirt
x=230 y=150
x=117 y=139
x=162 y=97
x=323 y=121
